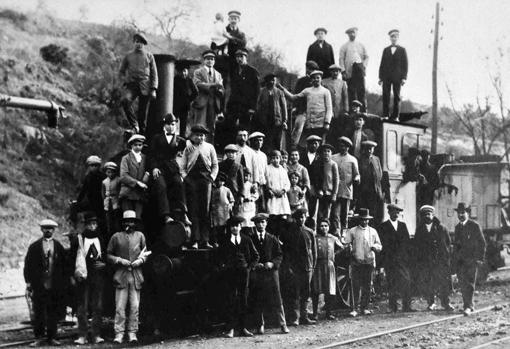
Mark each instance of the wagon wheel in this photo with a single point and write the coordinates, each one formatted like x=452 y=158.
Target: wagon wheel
x=343 y=287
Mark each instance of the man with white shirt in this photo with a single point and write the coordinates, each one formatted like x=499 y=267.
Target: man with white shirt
x=364 y=243
x=246 y=156
x=468 y=255
x=353 y=61
x=395 y=258
x=432 y=252
x=162 y=164
x=256 y=142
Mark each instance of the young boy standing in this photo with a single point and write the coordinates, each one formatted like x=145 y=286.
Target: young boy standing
x=325 y=181
x=110 y=193
x=222 y=202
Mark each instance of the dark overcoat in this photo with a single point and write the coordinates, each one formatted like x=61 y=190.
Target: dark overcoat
x=35 y=266
x=469 y=244
x=323 y=56
x=245 y=87
x=394 y=66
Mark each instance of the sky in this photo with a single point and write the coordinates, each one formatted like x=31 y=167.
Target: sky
x=472 y=32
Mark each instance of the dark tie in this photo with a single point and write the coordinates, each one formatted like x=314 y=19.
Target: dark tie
x=261 y=238
x=48 y=256
x=210 y=73
x=236 y=241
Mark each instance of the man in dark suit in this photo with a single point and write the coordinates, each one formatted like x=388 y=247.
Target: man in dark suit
x=237 y=40
x=45 y=273
x=265 y=281
x=392 y=73
x=433 y=256
x=239 y=256
x=468 y=254
x=162 y=164
x=185 y=92
x=300 y=251
x=321 y=52
x=369 y=193
x=395 y=258
x=355 y=131
x=244 y=91
x=309 y=159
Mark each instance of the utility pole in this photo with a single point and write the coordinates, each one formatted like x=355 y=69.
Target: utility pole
x=433 y=146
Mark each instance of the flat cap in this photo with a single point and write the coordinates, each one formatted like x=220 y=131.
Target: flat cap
x=129 y=215
x=136 y=138
x=140 y=37
x=48 y=223
x=242 y=52
x=234 y=220
x=208 y=53
x=256 y=135
x=393 y=31
x=93 y=160
x=351 y=29
x=394 y=207
x=334 y=67
x=231 y=148
x=320 y=29
x=427 y=208
x=260 y=217
x=110 y=165
x=326 y=146
x=345 y=140
x=313 y=138
x=316 y=72
x=312 y=65
x=369 y=144
x=357 y=103
x=169 y=118
x=200 y=129
x=234 y=13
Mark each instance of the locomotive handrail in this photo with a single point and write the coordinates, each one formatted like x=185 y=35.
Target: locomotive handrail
x=52 y=109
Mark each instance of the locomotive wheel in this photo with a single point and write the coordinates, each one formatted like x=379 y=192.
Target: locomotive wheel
x=343 y=287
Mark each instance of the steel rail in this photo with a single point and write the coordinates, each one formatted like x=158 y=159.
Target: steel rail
x=495 y=341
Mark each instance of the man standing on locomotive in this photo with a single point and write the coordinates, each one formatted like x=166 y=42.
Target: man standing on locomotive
x=370 y=194
x=468 y=254
x=265 y=280
x=140 y=76
x=432 y=246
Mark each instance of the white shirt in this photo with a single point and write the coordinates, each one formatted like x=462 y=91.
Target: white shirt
x=89 y=242
x=429 y=227
x=394 y=224
x=138 y=156
x=393 y=49
x=311 y=157
x=236 y=239
x=357 y=143
x=261 y=235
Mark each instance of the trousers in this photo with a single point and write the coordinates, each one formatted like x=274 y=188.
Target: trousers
x=170 y=196
x=237 y=281
x=339 y=214
x=386 y=89
x=361 y=280
x=132 y=93
x=46 y=306
x=302 y=293
x=123 y=296
x=198 y=196
x=90 y=293
x=467 y=279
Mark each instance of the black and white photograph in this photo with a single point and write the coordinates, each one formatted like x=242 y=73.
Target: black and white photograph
x=255 y=174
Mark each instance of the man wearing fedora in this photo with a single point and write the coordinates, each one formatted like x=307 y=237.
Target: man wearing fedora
x=45 y=273
x=140 y=79
x=392 y=74
x=127 y=252
x=207 y=107
x=271 y=116
x=348 y=174
x=321 y=52
x=340 y=101
x=364 y=243
x=265 y=280
x=433 y=256
x=245 y=89
x=468 y=254
x=353 y=60
x=395 y=258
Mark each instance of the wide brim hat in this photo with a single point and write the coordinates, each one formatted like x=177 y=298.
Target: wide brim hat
x=136 y=138
x=394 y=207
x=140 y=36
x=313 y=138
x=369 y=144
x=363 y=213
x=48 y=223
x=462 y=207
x=320 y=29
x=345 y=140
x=129 y=215
x=260 y=217
x=200 y=129
x=256 y=135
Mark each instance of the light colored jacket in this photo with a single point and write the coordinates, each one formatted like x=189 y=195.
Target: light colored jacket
x=190 y=156
x=362 y=241
x=131 y=172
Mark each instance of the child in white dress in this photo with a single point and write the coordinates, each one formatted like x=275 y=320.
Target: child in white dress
x=277 y=186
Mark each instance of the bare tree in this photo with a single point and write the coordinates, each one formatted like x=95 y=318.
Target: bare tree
x=168 y=19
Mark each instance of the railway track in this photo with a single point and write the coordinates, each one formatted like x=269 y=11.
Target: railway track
x=409 y=327
x=495 y=341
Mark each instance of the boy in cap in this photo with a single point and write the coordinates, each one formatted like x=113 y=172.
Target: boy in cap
x=392 y=73
x=348 y=174
x=395 y=258
x=244 y=83
x=353 y=61
x=89 y=275
x=110 y=193
x=46 y=274
x=90 y=198
x=140 y=76
x=265 y=281
x=339 y=100
x=234 y=173
x=321 y=52
x=222 y=202
x=238 y=257
x=364 y=243
x=433 y=257
x=237 y=39
x=319 y=109
x=199 y=170
x=271 y=117
x=468 y=254
x=209 y=103
x=325 y=181
x=127 y=252
x=133 y=177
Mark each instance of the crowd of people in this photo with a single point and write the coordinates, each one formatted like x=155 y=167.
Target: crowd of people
x=264 y=206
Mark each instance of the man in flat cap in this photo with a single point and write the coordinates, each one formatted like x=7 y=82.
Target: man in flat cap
x=340 y=101
x=370 y=193
x=321 y=52
x=199 y=170
x=356 y=132
x=468 y=254
x=299 y=106
x=433 y=256
x=234 y=172
x=353 y=60
x=162 y=164
x=271 y=116
x=244 y=91
x=208 y=105
x=237 y=38
x=185 y=93
x=260 y=160
x=319 y=109
x=265 y=281
x=310 y=159
x=348 y=174
x=46 y=273
x=395 y=258
x=140 y=79
x=392 y=74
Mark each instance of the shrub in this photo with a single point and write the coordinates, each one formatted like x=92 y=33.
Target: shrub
x=15 y=17
x=4 y=197
x=54 y=54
